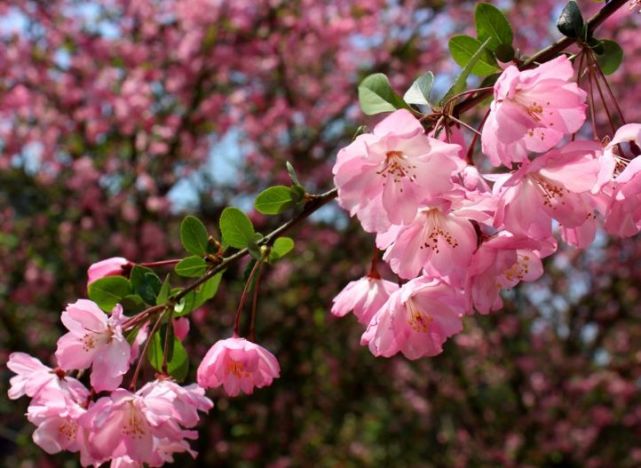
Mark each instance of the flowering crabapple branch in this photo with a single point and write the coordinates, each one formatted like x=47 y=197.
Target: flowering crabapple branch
x=454 y=237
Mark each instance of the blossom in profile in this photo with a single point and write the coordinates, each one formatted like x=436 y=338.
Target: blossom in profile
x=532 y=111
x=364 y=297
x=113 y=266
x=383 y=176
x=237 y=365
x=416 y=320
x=94 y=340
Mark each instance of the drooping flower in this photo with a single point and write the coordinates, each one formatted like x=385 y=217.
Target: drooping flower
x=555 y=186
x=238 y=365
x=138 y=427
x=94 y=341
x=36 y=380
x=382 y=176
x=109 y=267
x=501 y=263
x=185 y=401
x=532 y=111
x=416 y=320
x=364 y=297
x=58 y=427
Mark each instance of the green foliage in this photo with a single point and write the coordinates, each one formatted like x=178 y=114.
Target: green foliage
x=464 y=48
x=194 y=236
x=177 y=359
x=108 y=291
x=492 y=24
x=419 y=92
x=282 y=246
x=164 y=292
x=236 y=228
x=274 y=200
x=609 y=56
x=571 y=22
x=375 y=95
x=460 y=83
x=145 y=283
x=191 y=267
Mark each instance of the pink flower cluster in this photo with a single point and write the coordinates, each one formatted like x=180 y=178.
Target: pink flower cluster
x=455 y=237
x=106 y=422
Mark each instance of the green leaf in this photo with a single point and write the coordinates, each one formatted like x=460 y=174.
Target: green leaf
x=191 y=267
x=177 y=359
x=108 y=291
x=274 y=200
x=571 y=21
x=207 y=291
x=464 y=48
x=164 y=292
x=282 y=246
x=419 y=92
x=194 y=236
x=610 y=57
x=292 y=173
x=460 y=83
x=236 y=228
x=133 y=303
x=185 y=305
x=375 y=95
x=491 y=23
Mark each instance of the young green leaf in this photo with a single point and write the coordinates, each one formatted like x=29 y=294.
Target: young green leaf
x=375 y=95
x=177 y=359
x=208 y=290
x=191 y=267
x=185 y=305
x=571 y=21
x=292 y=173
x=419 y=92
x=461 y=80
x=610 y=57
x=108 y=291
x=236 y=228
x=464 y=48
x=274 y=200
x=491 y=23
x=194 y=236
x=282 y=246
x=164 y=292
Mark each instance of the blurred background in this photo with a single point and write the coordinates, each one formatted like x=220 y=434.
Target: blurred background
x=117 y=117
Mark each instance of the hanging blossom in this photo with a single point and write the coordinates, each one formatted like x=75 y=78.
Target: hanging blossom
x=237 y=365
x=556 y=186
x=364 y=297
x=94 y=341
x=416 y=320
x=113 y=266
x=532 y=111
x=383 y=176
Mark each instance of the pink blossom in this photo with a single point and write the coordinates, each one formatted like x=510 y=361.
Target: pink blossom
x=58 y=428
x=185 y=401
x=440 y=241
x=500 y=263
x=416 y=320
x=181 y=328
x=532 y=111
x=94 y=340
x=238 y=365
x=554 y=186
x=364 y=296
x=142 y=427
x=383 y=176
x=109 y=267
x=36 y=380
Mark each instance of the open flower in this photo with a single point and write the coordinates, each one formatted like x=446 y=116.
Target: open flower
x=382 y=176
x=416 y=320
x=238 y=365
x=364 y=296
x=532 y=111
x=94 y=341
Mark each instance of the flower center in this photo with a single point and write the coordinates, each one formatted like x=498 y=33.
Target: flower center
x=435 y=231
x=68 y=429
x=237 y=368
x=135 y=425
x=418 y=320
x=397 y=168
x=551 y=191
